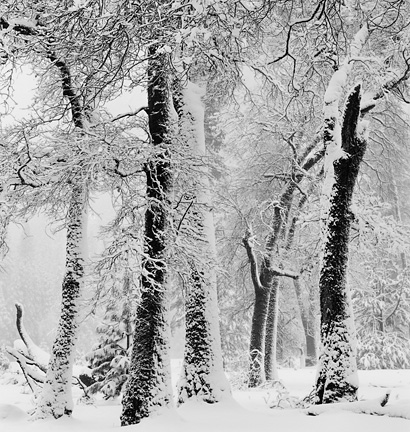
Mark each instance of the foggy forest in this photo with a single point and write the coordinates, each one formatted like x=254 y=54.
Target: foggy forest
x=204 y=215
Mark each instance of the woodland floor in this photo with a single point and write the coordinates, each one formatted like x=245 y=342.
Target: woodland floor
x=247 y=411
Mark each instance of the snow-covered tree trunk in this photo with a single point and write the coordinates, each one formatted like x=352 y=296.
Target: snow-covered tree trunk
x=270 y=363
x=202 y=373
x=337 y=370
x=264 y=283
x=56 y=397
x=149 y=384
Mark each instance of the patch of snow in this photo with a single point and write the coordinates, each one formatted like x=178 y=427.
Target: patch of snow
x=247 y=412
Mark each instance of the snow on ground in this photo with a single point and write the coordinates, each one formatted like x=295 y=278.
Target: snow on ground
x=248 y=411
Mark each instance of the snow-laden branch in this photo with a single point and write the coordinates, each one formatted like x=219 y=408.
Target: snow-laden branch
x=27 y=28
x=129 y=114
x=338 y=82
x=34 y=353
x=369 y=101
x=247 y=241
x=373 y=406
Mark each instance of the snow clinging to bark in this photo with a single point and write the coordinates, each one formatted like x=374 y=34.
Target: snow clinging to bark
x=204 y=378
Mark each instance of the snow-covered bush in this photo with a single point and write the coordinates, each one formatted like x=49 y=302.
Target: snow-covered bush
x=383 y=351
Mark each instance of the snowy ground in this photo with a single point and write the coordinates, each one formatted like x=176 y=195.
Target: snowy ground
x=248 y=411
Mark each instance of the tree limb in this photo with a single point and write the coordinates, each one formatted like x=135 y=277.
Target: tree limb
x=247 y=241
x=361 y=407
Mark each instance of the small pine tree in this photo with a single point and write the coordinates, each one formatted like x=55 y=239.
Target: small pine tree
x=109 y=358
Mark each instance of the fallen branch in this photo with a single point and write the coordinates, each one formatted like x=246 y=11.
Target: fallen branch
x=372 y=407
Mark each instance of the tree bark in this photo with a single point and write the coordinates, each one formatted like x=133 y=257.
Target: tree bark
x=149 y=385
x=271 y=372
x=337 y=374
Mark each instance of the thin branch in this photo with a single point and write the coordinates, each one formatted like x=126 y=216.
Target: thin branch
x=303 y=21
x=130 y=114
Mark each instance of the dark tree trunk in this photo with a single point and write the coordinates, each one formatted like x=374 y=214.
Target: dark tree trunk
x=258 y=331
x=202 y=375
x=148 y=387
x=271 y=372
x=264 y=340
x=337 y=363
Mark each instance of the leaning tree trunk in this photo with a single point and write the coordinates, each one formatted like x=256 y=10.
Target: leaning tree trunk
x=56 y=397
x=202 y=375
x=337 y=373
x=149 y=384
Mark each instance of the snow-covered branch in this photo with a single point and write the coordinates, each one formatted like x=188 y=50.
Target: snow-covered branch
x=129 y=114
x=247 y=241
x=373 y=406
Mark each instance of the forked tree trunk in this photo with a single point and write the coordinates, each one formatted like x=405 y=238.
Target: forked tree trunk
x=337 y=373
x=202 y=372
x=263 y=341
x=149 y=384
x=56 y=397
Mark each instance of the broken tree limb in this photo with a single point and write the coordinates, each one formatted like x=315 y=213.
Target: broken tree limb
x=248 y=243
x=372 y=406
x=34 y=353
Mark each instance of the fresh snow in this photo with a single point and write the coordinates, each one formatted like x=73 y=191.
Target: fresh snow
x=248 y=411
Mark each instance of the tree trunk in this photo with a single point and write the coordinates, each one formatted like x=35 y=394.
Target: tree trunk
x=263 y=360
x=337 y=373
x=56 y=397
x=271 y=372
x=308 y=328
x=202 y=373
x=258 y=330
x=149 y=384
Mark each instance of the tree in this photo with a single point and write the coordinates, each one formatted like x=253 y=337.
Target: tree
x=149 y=387
x=109 y=358
x=337 y=378
x=54 y=39
x=202 y=373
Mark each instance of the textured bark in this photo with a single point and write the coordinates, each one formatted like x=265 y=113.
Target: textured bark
x=56 y=398
x=271 y=372
x=149 y=388
x=258 y=331
x=337 y=363
x=202 y=373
